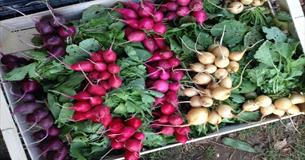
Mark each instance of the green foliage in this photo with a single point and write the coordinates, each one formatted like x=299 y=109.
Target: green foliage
x=254 y=16
x=238 y=144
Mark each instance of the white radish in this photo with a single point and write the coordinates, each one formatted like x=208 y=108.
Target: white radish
x=197 y=116
x=294 y=109
x=214 y=118
x=202 y=78
x=257 y=3
x=206 y=58
x=221 y=93
x=210 y=68
x=225 y=111
x=206 y=101
x=266 y=111
x=297 y=98
x=233 y=67
x=282 y=104
x=263 y=101
x=212 y=47
x=250 y=106
x=237 y=55
x=236 y=7
x=190 y=92
x=221 y=73
x=195 y=101
x=226 y=83
x=197 y=67
x=278 y=112
x=222 y=62
x=246 y=2
x=221 y=51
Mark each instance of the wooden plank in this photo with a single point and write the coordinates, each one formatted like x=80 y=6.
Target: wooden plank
x=10 y=132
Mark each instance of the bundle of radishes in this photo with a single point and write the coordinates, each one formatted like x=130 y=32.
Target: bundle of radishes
x=54 y=32
x=10 y=61
x=237 y=7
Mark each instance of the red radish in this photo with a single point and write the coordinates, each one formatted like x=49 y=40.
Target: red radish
x=79 y=116
x=127 y=13
x=158 y=16
x=113 y=68
x=136 y=36
x=133 y=23
x=94 y=75
x=121 y=138
x=175 y=119
x=69 y=32
x=164 y=75
x=109 y=55
x=196 y=5
x=166 y=54
x=168 y=109
x=134 y=122
x=154 y=57
x=168 y=131
x=161 y=86
x=160 y=41
x=174 y=62
x=96 y=100
x=146 y=23
x=183 y=130
x=30 y=86
x=153 y=73
x=81 y=106
x=97 y=90
x=150 y=44
x=116 y=125
x=160 y=28
x=200 y=16
x=104 y=75
x=183 y=11
x=133 y=145
x=96 y=57
x=146 y=10
x=112 y=136
x=127 y=132
x=155 y=126
x=131 y=155
x=85 y=66
x=116 y=145
x=132 y=5
x=174 y=86
x=100 y=66
x=115 y=81
x=139 y=136
x=163 y=119
x=177 y=75
x=171 y=97
x=105 y=85
x=82 y=96
x=159 y=101
x=128 y=30
x=183 y=2
x=171 y=6
x=164 y=64
x=170 y=16
x=181 y=138
x=106 y=120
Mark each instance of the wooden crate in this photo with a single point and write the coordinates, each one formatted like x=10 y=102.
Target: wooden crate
x=11 y=126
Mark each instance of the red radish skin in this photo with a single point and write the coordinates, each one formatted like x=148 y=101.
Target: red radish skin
x=132 y=5
x=85 y=66
x=177 y=75
x=96 y=100
x=115 y=81
x=181 y=138
x=168 y=109
x=133 y=145
x=174 y=62
x=128 y=30
x=183 y=2
x=160 y=41
x=174 y=86
x=109 y=56
x=134 y=122
x=96 y=57
x=94 y=75
x=104 y=75
x=139 y=136
x=175 y=120
x=160 y=28
x=116 y=145
x=131 y=155
x=200 y=16
x=161 y=86
x=146 y=23
x=171 y=6
x=183 y=130
x=164 y=75
x=172 y=98
x=166 y=54
x=158 y=16
x=127 y=13
x=154 y=57
x=127 y=132
x=136 y=36
x=150 y=44
x=183 y=11
x=163 y=119
x=81 y=106
x=69 y=32
x=116 y=125
x=82 y=96
x=96 y=90
x=145 y=10
x=170 y=16
x=164 y=64
x=133 y=23
x=105 y=85
x=113 y=68
x=168 y=131
x=79 y=116
x=100 y=66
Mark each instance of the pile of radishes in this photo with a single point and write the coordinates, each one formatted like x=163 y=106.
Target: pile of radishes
x=236 y=7
x=54 y=33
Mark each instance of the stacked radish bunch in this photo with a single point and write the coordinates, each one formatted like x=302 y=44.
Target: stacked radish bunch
x=54 y=33
x=124 y=135
x=37 y=114
x=236 y=7
x=101 y=72
x=10 y=61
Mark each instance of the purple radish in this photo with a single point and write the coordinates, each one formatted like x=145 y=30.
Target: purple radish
x=183 y=11
x=150 y=44
x=44 y=27
x=46 y=122
x=53 y=131
x=146 y=23
x=30 y=86
x=69 y=32
x=160 y=28
x=27 y=108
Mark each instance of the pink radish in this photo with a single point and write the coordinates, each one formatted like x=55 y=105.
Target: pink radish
x=127 y=132
x=81 y=106
x=170 y=16
x=183 y=11
x=171 y=6
x=175 y=119
x=116 y=145
x=158 y=16
x=160 y=28
x=168 y=109
x=116 y=125
x=160 y=41
x=172 y=98
x=115 y=81
x=85 y=66
x=174 y=86
x=109 y=55
x=177 y=75
x=183 y=130
x=139 y=136
x=146 y=9
x=136 y=36
x=133 y=145
x=150 y=44
x=132 y=5
x=163 y=119
x=133 y=23
x=113 y=68
x=164 y=64
x=146 y=23
x=96 y=100
x=134 y=122
x=200 y=16
x=96 y=57
x=79 y=116
x=168 y=131
x=104 y=75
x=196 y=5
x=82 y=96
x=183 y=2
x=127 y=13
x=181 y=138
x=164 y=75
x=153 y=73
x=166 y=54
x=161 y=86
x=100 y=66
x=154 y=57
x=97 y=90
x=128 y=30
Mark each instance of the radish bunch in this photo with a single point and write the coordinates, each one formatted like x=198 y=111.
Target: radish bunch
x=124 y=135
x=10 y=61
x=54 y=33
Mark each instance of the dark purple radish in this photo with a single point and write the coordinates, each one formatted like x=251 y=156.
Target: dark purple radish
x=57 y=51
x=27 y=108
x=44 y=27
x=46 y=122
x=61 y=154
x=8 y=59
x=54 y=131
x=183 y=11
x=160 y=28
x=30 y=86
x=53 y=40
x=28 y=97
x=146 y=23
x=57 y=20
x=150 y=44
x=69 y=32
x=40 y=134
x=37 y=115
x=54 y=144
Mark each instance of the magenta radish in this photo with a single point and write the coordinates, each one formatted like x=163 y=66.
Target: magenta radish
x=113 y=68
x=100 y=66
x=166 y=54
x=163 y=119
x=171 y=97
x=81 y=106
x=94 y=75
x=164 y=75
x=127 y=132
x=96 y=100
x=183 y=11
x=27 y=108
x=175 y=119
x=146 y=9
x=96 y=57
x=104 y=76
x=164 y=64
x=168 y=109
x=131 y=155
x=196 y=5
x=160 y=41
x=153 y=73
x=161 y=86
x=128 y=30
x=177 y=75
x=115 y=81
x=109 y=55
x=170 y=16
x=139 y=136
x=168 y=131
x=174 y=86
x=53 y=131
x=79 y=116
x=97 y=90
x=181 y=138
x=134 y=122
x=146 y=23
x=200 y=16
x=81 y=96
x=127 y=13
x=69 y=32
x=171 y=6
x=183 y=130
x=116 y=145
x=158 y=16
x=105 y=85
x=132 y=5
x=154 y=57
x=160 y=28
x=136 y=36
x=116 y=125
x=150 y=44
x=183 y=2
x=174 y=62
x=85 y=66
x=133 y=23
x=133 y=145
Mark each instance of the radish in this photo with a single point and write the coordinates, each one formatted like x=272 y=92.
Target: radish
x=134 y=122
x=139 y=136
x=133 y=145
x=94 y=75
x=113 y=68
x=105 y=85
x=155 y=57
x=172 y=98
x=81 y=106
x=97 y=90
x=159 y=101
x=166 y=54
x=27 y=108
x=168 y=131
x=100 y=66
x=127 y=13
x=37 y=115
x=175 y=119
x=200 y=16
x=52 y=40
x=116 y=125
x=161 y=86
x=168 y=109
x=163 y=119
x=57 y=51
x=146 y=23
x=196 y=5
x=181 y=138
x=174 y=62
x=96 y=100
x=85 y=66
x=97 y=57
x=109 y=55
x=53 y=131
x=170 y=16
x=177 y=75
x=160 y=28
x=116 y=145
x=160 y=41
x=69 y=32
x=164 y=75
x=183 y=11
x=150 y=44
x=174 y=86
x=183 y=130
x=46 y=122
x=81 y=96
x=158 y=16
x=104 y=75
x=133 y=23
x=115 y=81
x=136 y=36
x=30 y=86
x=44 y=27
x=146 y=9
x=131 y=155
x=183 y=2
x=61 y=154
x=127 y=132
x=79 y=116
x=164 y=64
x=171 y=6
x=132 y=5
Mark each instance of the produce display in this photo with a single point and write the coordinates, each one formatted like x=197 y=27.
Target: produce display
x=142 y=75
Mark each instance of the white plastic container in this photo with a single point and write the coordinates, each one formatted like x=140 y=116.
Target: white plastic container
x=10 y=29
